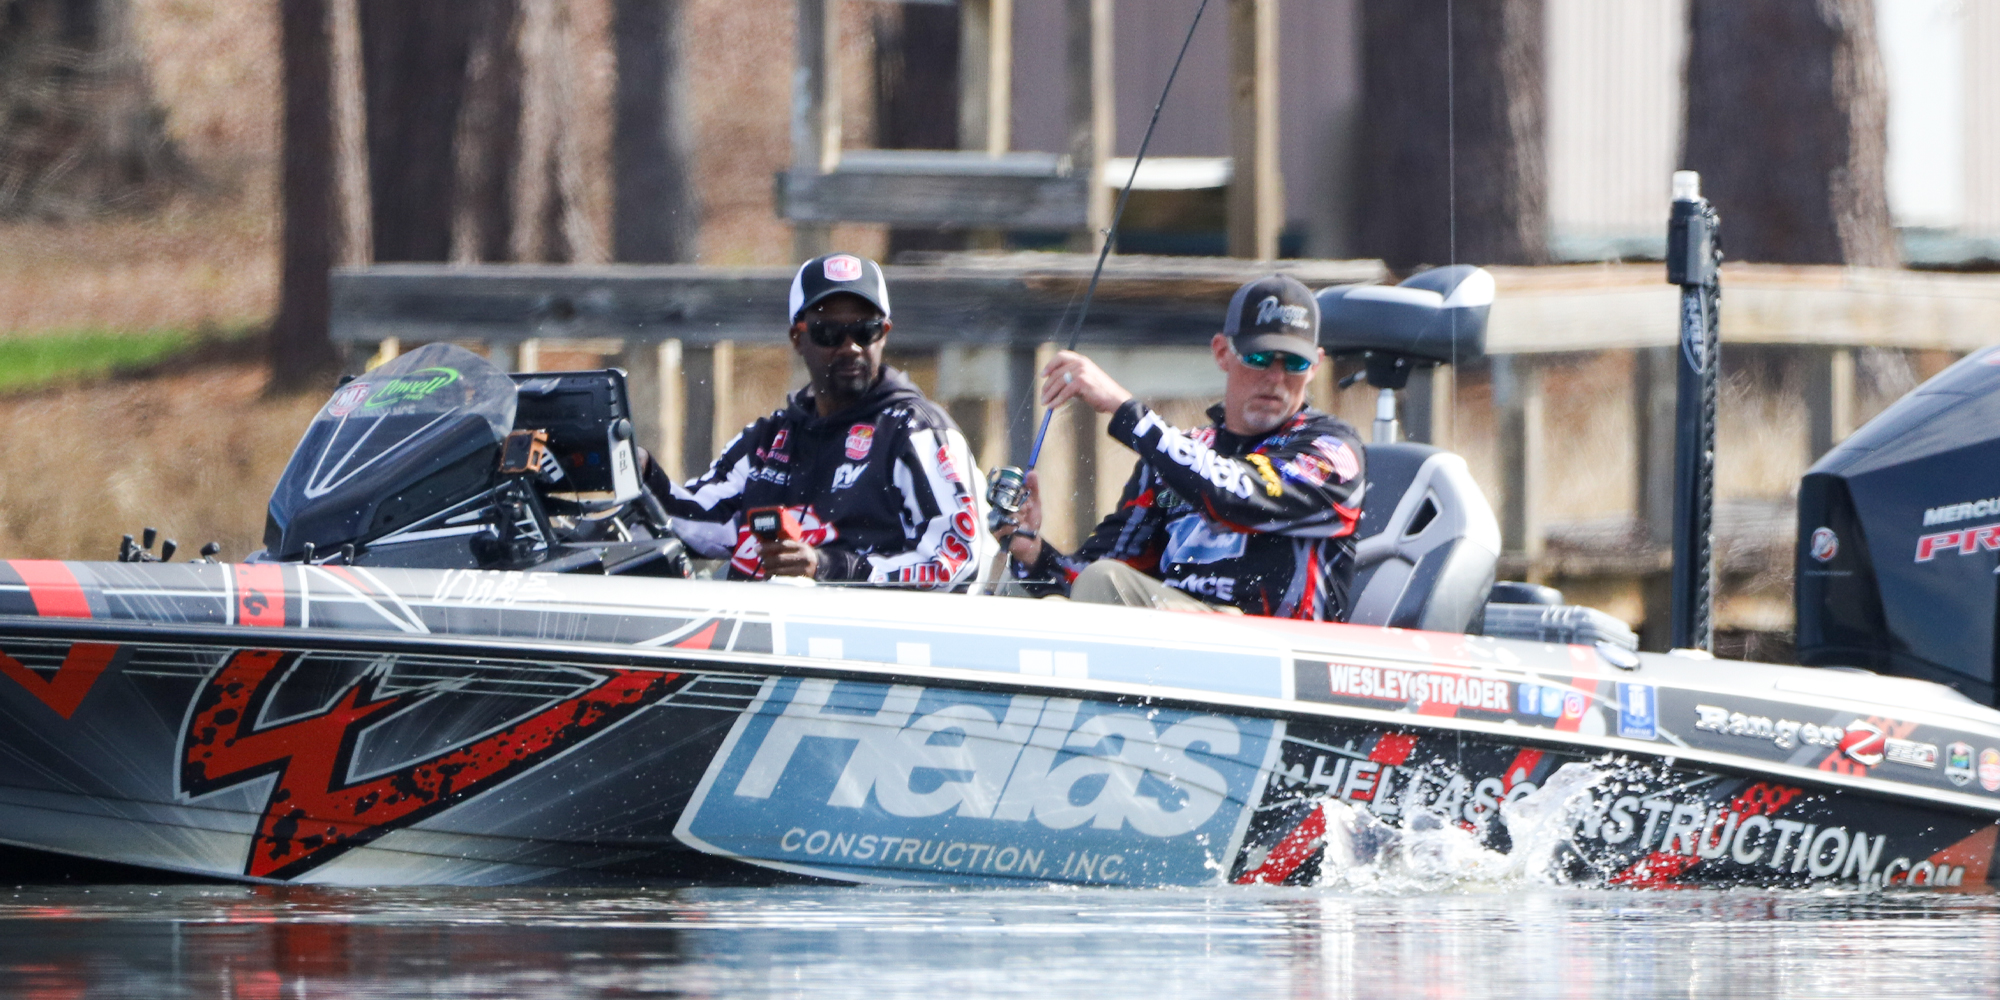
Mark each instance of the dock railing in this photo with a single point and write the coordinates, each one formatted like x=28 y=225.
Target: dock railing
x=988 y=321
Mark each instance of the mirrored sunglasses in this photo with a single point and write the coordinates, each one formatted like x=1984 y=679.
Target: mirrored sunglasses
x=830 y=334
x=1262 y=360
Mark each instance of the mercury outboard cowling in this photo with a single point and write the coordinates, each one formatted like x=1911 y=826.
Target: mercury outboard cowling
x=1899 y=537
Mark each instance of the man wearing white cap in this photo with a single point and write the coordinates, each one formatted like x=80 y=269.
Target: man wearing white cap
x=874 y=481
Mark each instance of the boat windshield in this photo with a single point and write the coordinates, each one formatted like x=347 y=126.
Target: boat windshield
x=436 y=401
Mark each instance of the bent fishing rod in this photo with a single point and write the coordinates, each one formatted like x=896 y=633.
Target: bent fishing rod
x=1009 y=482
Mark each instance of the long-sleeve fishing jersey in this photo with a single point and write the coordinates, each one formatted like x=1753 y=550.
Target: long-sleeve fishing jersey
x=885 y=490
x=1264 y=523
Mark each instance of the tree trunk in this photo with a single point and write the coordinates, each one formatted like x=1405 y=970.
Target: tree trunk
x=486 y=142
x=658 y=216
x=79 y=132
x=1787 y=121
x=1453 y=128
x=551 y=222
x=300 y=347
x=414 y=58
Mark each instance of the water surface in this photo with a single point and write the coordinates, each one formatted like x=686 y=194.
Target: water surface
x=1534 y=941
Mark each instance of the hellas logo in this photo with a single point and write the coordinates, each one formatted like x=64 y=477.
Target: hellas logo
x=930 y=784
x=1005 y=768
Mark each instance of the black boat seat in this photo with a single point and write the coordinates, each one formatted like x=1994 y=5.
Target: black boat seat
x=1427 y=545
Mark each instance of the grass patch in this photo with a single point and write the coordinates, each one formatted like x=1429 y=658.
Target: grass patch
x=43 y=359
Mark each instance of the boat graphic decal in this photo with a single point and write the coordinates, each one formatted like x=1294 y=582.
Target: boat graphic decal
x=53 y=588
x=316 y=811
x=81 y=667
x=936 y=785
x=260 y=594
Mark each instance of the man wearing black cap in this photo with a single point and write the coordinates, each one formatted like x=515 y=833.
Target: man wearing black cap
x=1254 y=513
x=875 y=482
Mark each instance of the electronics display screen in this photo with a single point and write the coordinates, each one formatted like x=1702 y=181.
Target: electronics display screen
x=578 y=410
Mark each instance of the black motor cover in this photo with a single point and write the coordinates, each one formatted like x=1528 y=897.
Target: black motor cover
x=1899 y=537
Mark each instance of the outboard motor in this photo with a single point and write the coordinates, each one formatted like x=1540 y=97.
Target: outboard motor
x=1899 y=537
x=1428 y=540
x=439 y=460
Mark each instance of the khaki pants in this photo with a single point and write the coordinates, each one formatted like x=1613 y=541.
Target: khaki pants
x=1109 y=581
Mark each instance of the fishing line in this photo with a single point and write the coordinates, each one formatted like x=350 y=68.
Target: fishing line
x=1451 y=218
x=1117 y=216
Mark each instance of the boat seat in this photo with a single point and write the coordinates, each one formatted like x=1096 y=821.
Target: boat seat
x=1427 y=545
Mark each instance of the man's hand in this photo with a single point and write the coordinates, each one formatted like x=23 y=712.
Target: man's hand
x=1022 y=537
x=788 y=557
x=1070 y=375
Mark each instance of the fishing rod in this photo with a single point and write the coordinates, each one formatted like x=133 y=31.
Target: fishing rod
x=1010 y=482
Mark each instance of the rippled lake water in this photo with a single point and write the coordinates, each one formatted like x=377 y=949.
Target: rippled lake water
x=210 y=941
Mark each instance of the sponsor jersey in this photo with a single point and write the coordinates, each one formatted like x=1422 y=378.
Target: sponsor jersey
x=886 y=490
x=1262 y=523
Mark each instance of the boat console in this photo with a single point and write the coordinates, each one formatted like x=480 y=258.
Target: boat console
x=439 y=460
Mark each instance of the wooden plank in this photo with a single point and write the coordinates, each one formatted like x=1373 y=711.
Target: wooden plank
x=1023 y=415
x=1136 y=304
x=986 y=75
x=1092 y=112
x=1023 y=298
x=1654 y=391
x=956 y=199
x=653 y=385
x=1517 y=395
x=1597 y=307
x=1829 y=399
x=1256 y=188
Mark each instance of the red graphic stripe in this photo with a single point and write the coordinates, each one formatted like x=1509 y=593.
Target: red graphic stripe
x=260 y=594
x=1523 y=765
x=1290 y=853
x=1974 y=854
x=52 y=587
x=80 y=670
x=1657 y=871
x=1763 y=799
x=1393 y=749
x=705 y=639
x=314 y=814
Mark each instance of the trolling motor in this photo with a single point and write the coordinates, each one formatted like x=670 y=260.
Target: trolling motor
x=1694 y=251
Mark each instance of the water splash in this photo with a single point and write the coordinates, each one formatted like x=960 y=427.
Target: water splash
x=1431 y=851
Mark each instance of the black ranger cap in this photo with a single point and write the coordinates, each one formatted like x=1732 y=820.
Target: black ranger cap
x=836 y=274
x=1273 y=314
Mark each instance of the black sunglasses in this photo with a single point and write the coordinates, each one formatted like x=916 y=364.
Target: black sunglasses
x=1262 y=360
x=829 y=334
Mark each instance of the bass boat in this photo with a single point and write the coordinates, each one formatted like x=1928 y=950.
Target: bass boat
x=471 y=655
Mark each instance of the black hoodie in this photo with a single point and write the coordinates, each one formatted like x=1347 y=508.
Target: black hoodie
x=885 y=490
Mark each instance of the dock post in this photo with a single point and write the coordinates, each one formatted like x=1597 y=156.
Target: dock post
x=1092 y=116
x=1256 y=188
x=815 y=113
x=1829 y=399
x=1517 y=395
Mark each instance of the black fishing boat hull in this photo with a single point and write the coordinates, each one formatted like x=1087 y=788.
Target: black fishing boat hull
x=339 y=725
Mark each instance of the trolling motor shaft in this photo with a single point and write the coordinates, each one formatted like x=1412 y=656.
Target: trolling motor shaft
x=1694 y=252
